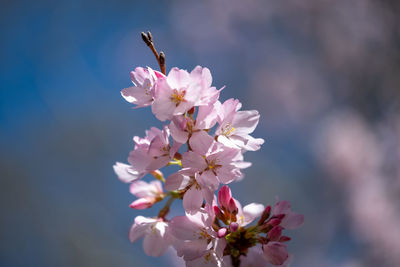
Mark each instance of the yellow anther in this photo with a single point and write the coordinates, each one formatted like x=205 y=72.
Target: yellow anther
x=178 y=96
x=227 y=129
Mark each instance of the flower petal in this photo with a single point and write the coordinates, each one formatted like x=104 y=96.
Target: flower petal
x=125 y=172
x=193 y=160
x=200 y=142
x=275 y=252
x=251 y=212
x=179 y=180
x=192 y=200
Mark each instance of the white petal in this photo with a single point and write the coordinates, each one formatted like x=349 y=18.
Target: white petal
x=125 y=172
x=251 y=212
x=140 y=227
x=154 y=245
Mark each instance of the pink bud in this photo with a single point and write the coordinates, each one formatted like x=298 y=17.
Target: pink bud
x=222 y=232
x=233 y=227
x=232 y=208
x=141 y=203
x=265 y=215
x=218 y=213
x=224 y=195
x=275 y=233
x=274 y=221
x=284 y=238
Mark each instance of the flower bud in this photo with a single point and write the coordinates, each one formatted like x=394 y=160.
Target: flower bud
x=232 y=208
x=233 y=227
x=265 y=215
x=224 y=195
x=274 y=222
x=275 y=233
x=218 y=213
x=222 y=232
x=284 y=238
x=146 y=39
x=162 y=58
x=141 y=203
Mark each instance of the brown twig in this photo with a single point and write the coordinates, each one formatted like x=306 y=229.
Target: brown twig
x=148 y=40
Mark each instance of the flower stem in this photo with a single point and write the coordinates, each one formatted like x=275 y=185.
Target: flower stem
x=235 y=261
x=175 y=162
x=164 y=211
x=148 y=39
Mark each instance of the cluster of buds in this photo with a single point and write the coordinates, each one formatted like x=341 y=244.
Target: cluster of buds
x=207 y=140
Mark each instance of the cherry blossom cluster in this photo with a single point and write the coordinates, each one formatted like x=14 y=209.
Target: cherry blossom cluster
x=206 y=139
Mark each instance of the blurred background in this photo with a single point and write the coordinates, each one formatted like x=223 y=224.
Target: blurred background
x=325 y=76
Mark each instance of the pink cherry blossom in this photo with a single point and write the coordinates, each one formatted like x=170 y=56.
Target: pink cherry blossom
x=202 y=76
x=182 y=127
x=180 y=91
x=148 y=194
x=291 y=220
x=152 y=152
x=214 y=162
x=213 y=256
x=196 y=189
x=194 y=235
x=229 y=205
x=216 y=136
x=236 y=126
x=156 y=237
x=142 y=93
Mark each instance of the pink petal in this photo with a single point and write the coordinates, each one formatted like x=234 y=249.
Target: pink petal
x=208 y=179
x=178 y=134
x=227 y=174
x=292 y=221
x=200 y=142
x=125 y=172
x=245 y=122
x=178 y=78
x=207 y=116
x=275 y=252
x=194 y=161
x=282 y=207
x=137 y=95
x=224 y=195
x=228 y=110
x=184 y=229
x=158 y=163
x=142 y=189
x=275 y=233
x=139 y=159
x=154 y=243
x=140 y=227
x=253 y=144
x=179 y=180
x=162 y=107
x=192 y=200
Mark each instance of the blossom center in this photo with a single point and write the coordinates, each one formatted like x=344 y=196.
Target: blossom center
x=227 y=129
x=178 y=96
